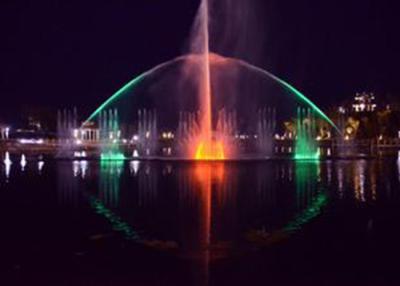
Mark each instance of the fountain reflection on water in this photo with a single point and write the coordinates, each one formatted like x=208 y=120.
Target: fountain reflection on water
x=209 y=210
x=7 y=163
x=134 y=167
x=210 y=206
x=23 y=162
x=40 y=165
x=360 y=180
x=109 y=182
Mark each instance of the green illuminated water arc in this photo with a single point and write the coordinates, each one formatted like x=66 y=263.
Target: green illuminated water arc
x=133 y=83
x=292 y=90
x=115 y=96
x=137 y=80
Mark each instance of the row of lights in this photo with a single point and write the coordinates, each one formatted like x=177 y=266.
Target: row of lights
x=23 y=162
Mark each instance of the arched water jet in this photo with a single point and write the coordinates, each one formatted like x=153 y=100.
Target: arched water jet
x=132 y=84
x=215 y=61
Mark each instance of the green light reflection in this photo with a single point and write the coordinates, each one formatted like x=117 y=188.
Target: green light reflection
x=110 y=176
x=311 y=198
x=117 y=223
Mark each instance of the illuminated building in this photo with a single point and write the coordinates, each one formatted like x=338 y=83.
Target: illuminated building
x=364 y=102
x=88 y=133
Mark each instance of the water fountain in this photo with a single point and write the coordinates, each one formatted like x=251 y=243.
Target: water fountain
x=67 y=122
x=306 y=148
x=219 y=107
x=110 y=135
x=265 y=129
x=147 y=132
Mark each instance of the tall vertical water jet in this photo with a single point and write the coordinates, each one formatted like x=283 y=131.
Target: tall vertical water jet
x=306 y=148
x=147 y=132
x=207 y=147
x=110 y=135
x=206 y=124
x=265 y=130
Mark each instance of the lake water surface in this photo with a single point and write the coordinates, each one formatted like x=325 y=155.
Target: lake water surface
x=185 y=223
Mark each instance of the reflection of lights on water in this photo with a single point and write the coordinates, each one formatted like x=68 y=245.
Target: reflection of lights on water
x=40 y=166
x=118 y=224
x=319 y=177
x=359 y=181
x=83 y=167
x=373 y=181
x=282 y=172
x=134 y=167
x=7 y=163
x=167 y=170
x=8 y=170
x=290 y=174
x=340 y=178
x=329 y=172
x=7 y=159
x=80 y=168
x=75 y=168
x=23 y=162
x=329 y=152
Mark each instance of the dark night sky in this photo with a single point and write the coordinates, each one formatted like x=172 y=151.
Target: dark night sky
x=55 y=53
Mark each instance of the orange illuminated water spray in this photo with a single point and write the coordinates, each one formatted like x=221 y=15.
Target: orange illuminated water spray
x=207 y=124
x=207 y=148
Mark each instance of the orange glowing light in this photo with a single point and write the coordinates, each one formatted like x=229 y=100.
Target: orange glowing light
x=210 y=151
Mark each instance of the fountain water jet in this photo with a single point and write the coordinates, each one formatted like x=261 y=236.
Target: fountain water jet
x=202 y=125
x=207 y=147
x=306 y=148
x=199 y=128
